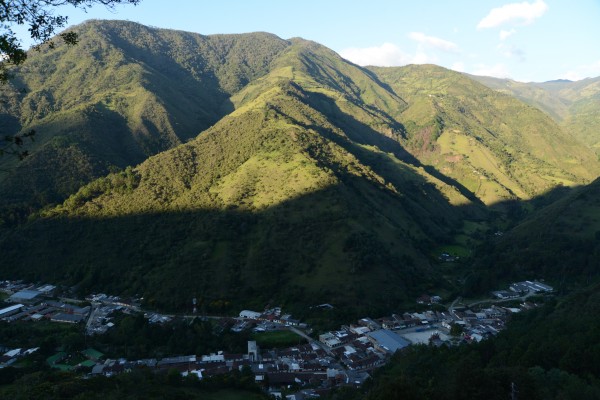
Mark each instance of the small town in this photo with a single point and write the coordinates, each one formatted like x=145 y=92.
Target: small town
x=336 y=358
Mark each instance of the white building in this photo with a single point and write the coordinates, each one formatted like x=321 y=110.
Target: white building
x=250 y=314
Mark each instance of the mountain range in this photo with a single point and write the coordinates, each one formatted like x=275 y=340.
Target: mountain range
x=247 y=169
x=573 y=105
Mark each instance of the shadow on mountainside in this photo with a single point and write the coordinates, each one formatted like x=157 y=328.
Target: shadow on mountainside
x=363 y=134
x=321 y=247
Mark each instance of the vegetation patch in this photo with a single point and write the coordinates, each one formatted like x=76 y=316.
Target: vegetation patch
x=277 y=339
x=453 y=250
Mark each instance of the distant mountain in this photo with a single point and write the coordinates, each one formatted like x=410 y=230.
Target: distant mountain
x=558 y=81
x=267 y=170
x=575 y=105
x=491 y=143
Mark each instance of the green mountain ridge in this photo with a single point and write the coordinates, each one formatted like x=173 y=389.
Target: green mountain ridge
x=123 y=93
x=261 y=198
x=574 y=105
x=311 y=178
x=493 y=144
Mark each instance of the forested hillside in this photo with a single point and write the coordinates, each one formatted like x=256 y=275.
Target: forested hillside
x=574 y=105
x=250 y=169
x=492 y=143
x=122 y=94
x=560 y=242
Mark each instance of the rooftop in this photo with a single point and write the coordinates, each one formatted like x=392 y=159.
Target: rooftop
x=389 y=340
x=25 y=295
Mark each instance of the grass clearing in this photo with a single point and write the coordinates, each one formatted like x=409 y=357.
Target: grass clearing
x=277 y=339
x=453 y=250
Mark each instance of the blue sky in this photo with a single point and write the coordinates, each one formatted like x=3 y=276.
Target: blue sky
x=532 y=40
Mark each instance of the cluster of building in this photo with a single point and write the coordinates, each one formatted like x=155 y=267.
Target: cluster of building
x=40 y=302
x=345 y=356
x=272 y=315
x=104 y=307
x=307 y=367
x=519 y=289
x=11 y=356
x=101 y=319
x=367 y=344
x=36 y=303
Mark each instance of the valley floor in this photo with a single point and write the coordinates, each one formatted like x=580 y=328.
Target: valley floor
x=343 y=357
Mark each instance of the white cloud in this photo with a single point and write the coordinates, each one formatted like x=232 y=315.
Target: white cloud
x=511 y=52
x=522 y=13
x=497 y=70
x=584 y=71
x=505 y=34
x=434 y=42
x=386 y=55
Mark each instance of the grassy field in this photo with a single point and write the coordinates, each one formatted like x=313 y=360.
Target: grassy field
x=277 y=339
x=453 y=250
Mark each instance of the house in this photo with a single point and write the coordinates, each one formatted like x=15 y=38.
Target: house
x=530 y=286
x=47 y=290
x=250 y=314
x=359 y=330
x=281 y=379
x=369 y=323
x=253 y=351
x=330 y=340
x=182 y=363
x=505 y=294
x=55 y=359
x=67 y=318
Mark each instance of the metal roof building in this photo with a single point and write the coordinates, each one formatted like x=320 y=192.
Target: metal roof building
x=68 y=318
x=5 y=312
x=25 y=296
x=388 y=340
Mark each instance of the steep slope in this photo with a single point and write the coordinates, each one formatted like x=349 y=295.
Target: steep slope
x=125 y=92
x=540 y=95
x=491 y=143
x=583 y=120
x=272 y=203
x=574 y=105
x=560 y=243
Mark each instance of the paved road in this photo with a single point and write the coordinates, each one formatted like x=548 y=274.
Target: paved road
x=92 y=317
x=529 y=294
x=310 y=340
x=457 y=300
